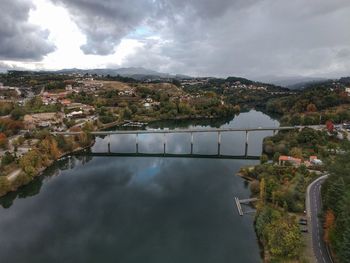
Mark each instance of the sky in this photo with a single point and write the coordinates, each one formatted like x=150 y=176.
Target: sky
x=248 y=38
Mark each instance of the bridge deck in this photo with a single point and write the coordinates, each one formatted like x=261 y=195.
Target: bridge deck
x=201 y=130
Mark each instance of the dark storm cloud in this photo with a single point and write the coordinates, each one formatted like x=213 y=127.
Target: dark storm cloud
x=19 y=40
x=225 y=37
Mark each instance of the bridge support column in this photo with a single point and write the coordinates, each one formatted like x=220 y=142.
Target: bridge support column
x=164 y=140
x=137 y=142
x=274 y=132
x=109 y=143
x=219 y=142
x=191 y=142
x=246 y=143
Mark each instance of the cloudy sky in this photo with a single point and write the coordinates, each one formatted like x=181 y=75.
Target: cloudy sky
x=249 y=38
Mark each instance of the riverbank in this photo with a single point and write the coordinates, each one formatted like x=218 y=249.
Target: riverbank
x=281 y=187
x=279 y=210
x=24 y=177
x=187 y=118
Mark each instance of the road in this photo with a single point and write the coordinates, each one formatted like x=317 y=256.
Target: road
x=314 y=208
x=12 y=176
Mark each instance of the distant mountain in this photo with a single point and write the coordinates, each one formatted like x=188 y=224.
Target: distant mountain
x=293 y=82
x=345 y=80
x=233 y=80
x=138 y=73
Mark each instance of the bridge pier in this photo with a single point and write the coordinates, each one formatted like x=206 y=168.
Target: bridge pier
x=191 y=142
x=109 y=143
x=164 y=140
x=219 y=142
x=137 y=142
x=246 y=143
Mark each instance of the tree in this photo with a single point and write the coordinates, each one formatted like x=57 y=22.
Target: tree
x=255 y=187
x=17 y=113
x=284 y=239
x=311 y=108
x=30 y=162
x=7 y=159
x=5 y=185
x=3 y=141
x=127 y=114
x=133 y=108
x=276 y=157
x=262 y=192
x=296 y=152
x=264 y=158
x=328 y=225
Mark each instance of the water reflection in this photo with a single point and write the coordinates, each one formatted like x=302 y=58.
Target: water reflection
x=132 y=210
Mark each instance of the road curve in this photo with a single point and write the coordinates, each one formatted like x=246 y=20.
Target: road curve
x=314 y=208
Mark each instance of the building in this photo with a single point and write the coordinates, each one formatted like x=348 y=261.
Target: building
x=347 y=90
x=75 y=114
x=313 y=160
x=294 y=161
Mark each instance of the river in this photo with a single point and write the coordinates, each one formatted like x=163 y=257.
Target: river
x=133 y=209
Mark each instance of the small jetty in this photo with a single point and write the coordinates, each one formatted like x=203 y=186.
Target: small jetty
x=243 y=201
x=134 y=124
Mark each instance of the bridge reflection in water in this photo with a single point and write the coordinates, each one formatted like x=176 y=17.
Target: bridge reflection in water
x=169 y=155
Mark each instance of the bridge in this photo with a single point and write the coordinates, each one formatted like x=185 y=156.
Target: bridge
x=191 y=133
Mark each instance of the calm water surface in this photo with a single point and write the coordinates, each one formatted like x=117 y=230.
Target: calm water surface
x=124 y=209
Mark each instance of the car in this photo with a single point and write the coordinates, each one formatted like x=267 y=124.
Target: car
x=304 y=223
x=304 y=230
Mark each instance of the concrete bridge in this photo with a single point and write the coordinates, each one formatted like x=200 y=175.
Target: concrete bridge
x=191 y=133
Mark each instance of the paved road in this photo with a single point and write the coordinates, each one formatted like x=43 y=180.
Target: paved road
x=314 y=208
x=12 y=176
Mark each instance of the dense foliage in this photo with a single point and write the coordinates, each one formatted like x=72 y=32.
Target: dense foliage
x=301 y=144
x=336 y=200
x=280 y=234
x=284 y=186
x=314 y=105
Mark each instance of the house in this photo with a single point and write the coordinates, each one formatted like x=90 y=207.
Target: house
x=347 y=90
x=147 y=105
x=66 y=102
x=315 y=161
x=283 y=159
x=76 y=114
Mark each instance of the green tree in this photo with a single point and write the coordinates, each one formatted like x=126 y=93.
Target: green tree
x=264 y=158
x=284 y=239
x=7 y=159
x=17 y=113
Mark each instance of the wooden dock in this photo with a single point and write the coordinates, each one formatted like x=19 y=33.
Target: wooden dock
x=239 y=207
x=243 y=201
